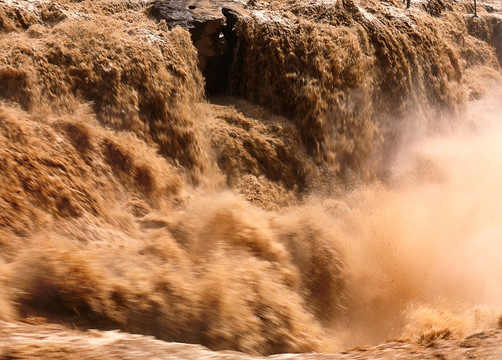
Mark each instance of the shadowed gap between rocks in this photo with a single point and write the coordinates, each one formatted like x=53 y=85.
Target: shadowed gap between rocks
x=211 y=25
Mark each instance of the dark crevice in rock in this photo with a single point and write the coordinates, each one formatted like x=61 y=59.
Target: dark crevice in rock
x=217 y=67
x=211 y=25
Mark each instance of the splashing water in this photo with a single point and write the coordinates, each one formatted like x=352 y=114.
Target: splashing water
x=129 y=201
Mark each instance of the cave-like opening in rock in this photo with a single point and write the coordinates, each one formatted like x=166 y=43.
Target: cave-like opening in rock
x=215 y=69
x=211 y=26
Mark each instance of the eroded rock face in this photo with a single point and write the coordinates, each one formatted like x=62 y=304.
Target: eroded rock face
x=211 y=26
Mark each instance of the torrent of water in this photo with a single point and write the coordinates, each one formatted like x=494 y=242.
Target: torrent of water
x=343 y=191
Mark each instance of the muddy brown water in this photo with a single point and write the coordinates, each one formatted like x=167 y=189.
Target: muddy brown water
x=344 y=191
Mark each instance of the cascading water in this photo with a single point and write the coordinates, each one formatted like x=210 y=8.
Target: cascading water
x=344 y=190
